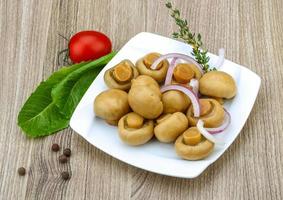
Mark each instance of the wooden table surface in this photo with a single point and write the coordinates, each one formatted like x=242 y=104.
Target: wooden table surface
x=250 y=31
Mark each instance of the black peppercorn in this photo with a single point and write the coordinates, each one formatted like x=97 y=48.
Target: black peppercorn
x=63 y=159
x=55 y=147
x=67 y=152
x=65 y=175
x=22 y=171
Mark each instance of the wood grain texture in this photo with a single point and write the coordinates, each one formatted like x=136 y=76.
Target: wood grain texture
x=251 y=32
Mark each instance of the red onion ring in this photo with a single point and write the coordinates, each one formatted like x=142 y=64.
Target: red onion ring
x=195 y=85
x=206 y=134
x=225 y=124
x=176 y=55
x=221 y=58
x=170 y=71
x=193 y=97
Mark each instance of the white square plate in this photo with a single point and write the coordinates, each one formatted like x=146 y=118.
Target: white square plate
x=155 y=156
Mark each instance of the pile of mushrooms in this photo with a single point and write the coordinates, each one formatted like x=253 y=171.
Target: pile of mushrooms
x=168 y=97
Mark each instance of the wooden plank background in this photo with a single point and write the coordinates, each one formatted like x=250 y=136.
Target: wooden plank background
x=250 y=31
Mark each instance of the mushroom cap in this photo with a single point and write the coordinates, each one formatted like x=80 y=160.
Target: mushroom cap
x=112 y=83
x=170 y=127
x=157 y=74
x=138 y=135
x=145 y=97
x=111 y=104
x=175 y=101
x=218 y=84
x=212 y=113
x=193 y=152
x=162 y=118
x=147 y=81
x=144 y=101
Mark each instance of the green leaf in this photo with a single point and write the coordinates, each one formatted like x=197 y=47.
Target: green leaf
x=77 y=92
x=39 y=106
x=47 y=122
x=43 y=112
x=63 y=91
x=41 y=97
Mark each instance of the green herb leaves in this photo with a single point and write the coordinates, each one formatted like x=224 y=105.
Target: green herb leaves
x=189 y=37
x=51 y=105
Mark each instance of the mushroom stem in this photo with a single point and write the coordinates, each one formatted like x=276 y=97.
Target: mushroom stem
x=150 y=58
x=134 y=120
x=183 y=73
x=192 y=136
x=122 y=73
x=205 y=107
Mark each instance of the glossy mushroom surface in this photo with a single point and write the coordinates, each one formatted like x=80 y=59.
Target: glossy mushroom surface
x=120 y=76
x=218 y=84
x=170 y=126
x=184 y=72
x=145 y=97
x=175 y=101
x=192 y=146
x=134 y=129
x=111 y=105
x=143 y=65
x=211 y=112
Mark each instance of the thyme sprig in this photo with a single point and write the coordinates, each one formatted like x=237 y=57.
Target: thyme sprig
x=190 y=38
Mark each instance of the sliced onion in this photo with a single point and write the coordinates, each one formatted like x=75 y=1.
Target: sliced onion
x=195 y=85
x=221 y=58
x=176 y=55
x=225 y=124
x=193 y=97
x=170 y=71
x=206 y=134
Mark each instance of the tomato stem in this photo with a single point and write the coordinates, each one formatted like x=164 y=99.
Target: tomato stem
x=63 y=37
x=65 y=58
x=65 y=52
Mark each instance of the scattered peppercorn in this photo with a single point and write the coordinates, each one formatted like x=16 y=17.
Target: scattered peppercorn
x=63 y=159
x=67 y=152
x=22 y=171
x=65 y=175
x=55 y=147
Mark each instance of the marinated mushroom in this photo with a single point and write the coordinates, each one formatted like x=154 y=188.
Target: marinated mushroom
x=120 y=76
x=191 y=145
x=111 y=105
x=145 y=97
x=170 y=126
x=184 y=72
x=211 y=112
x=134 y=129
x=174 y=101
x=143 y=65
x=218 y=84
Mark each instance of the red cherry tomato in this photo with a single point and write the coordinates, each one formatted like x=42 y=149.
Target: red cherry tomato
x=88 y=45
